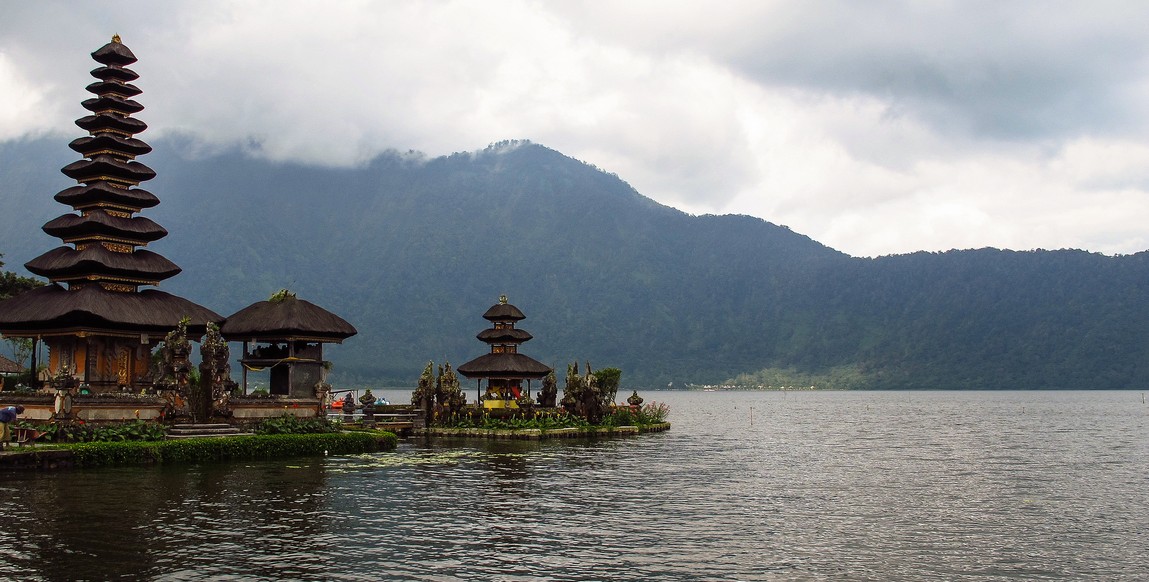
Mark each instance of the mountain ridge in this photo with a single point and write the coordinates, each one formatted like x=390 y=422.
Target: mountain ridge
x=412 y=249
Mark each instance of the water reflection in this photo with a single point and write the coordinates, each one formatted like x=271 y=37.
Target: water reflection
x=748 y=486
x=100 y=524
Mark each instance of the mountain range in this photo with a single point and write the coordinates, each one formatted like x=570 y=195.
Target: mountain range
x=412 y=250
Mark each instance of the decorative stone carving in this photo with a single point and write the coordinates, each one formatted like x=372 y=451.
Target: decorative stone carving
x=215 y=367
x=175 y=369
x=550 y=391
x=635 y=400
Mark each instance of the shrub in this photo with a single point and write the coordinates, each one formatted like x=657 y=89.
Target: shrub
x=652 y=413
x=202 y=450
x=80 y=432
x=288 y=424
x=136 y=430
x=620 y=417
x=506 y=419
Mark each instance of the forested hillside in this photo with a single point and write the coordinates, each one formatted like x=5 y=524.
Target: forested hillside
x=413 y=250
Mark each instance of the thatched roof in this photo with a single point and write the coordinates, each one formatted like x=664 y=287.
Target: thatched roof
x=94 y=309
x=119 y=74
x=98 y=223
x=101 y=191
x=286 y=318
x=503 y=311
x=100 y=165
x=506 y=365
x=68 y=263
x=114 y=54
x=9 y=367
x=105 y=87
x=109 y=102
x=109 y=141
x=505 y=335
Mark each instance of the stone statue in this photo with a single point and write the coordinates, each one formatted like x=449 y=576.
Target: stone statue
x=424 y=395
x=550 y=391
x=572 y=393
x=592 y=407
x=215 y=367
x=65 y=385
x=453 y=398
x=440 y=399
x=322 y=391
x=635 y=400
x=368 y=399
x=348 y=407
x=175 y=369
x=368 y=402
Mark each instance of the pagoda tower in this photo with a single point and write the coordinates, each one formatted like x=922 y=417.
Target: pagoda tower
x=504 y=367
x=99 y=326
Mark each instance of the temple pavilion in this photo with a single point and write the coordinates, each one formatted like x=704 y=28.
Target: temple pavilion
x=97 y=322
x=504 y=367
x=285 y=335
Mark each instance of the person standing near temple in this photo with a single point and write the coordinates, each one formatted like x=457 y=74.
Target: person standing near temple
x=8 y=414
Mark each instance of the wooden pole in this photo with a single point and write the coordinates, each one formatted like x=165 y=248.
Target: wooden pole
x=244 y=366
x=35 y=348
x=88 y=362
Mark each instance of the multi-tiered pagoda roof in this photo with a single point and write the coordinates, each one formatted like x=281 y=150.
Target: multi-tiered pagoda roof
x=97 y=274
x=504 y=360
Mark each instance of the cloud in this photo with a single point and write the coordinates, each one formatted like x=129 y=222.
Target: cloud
x=875 y=128
x=23 y=105
x=1016 y=70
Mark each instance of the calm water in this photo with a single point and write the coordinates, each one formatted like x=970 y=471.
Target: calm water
x=746 y=486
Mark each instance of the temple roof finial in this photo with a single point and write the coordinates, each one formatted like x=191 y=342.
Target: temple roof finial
x=502 y=299
x=116 y=38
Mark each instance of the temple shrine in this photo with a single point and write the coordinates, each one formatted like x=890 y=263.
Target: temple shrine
x=99 y=326
x=504 y=367
x=285 y=335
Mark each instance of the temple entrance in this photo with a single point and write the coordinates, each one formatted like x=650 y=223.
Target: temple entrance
x=280 y=380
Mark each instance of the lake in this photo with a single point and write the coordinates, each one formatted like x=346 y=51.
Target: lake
x=745 y=486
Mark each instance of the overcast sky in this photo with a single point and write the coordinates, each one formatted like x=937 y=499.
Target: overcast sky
x=873 y=127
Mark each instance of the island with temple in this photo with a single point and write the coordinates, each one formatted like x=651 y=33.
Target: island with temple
x=120 y=352
x=509 y=409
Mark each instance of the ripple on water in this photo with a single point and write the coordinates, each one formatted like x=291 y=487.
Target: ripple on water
x=746 y=486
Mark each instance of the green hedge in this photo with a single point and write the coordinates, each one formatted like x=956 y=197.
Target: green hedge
x=202 y=450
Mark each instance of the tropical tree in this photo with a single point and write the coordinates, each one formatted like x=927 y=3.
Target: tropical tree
x=608 y=381
x=21 y=348
x=12 y=284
